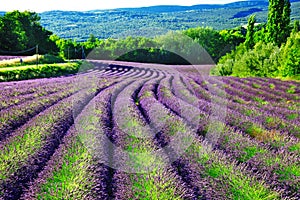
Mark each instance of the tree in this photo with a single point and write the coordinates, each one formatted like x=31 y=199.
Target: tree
x=286 y=20
x=290 y=65
x=92 y=39
x=278 y=21
x=296 y=27
x=22 y=30
x=12 y=36
x=249 y=43
x=216 y=43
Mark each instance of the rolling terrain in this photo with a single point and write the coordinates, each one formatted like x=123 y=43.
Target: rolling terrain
x=145 y=131
x=156 y=20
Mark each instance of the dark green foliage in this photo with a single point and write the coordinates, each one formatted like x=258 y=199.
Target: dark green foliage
x=50 y=59
x=278 y=21
x=20 y=31
x=228 y=62
x=216 y=43
x=296 y=27
x=286 y=20
x=193 y=46
x=250 y=33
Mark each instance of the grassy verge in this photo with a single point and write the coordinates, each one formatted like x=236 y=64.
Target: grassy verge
x=31 y=60
x=40 y=71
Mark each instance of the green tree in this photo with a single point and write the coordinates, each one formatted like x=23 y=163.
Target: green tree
x=12 y=37
x=290 y=65
x=261 y=61
x=296 y=27
x=216 y=43
x=250 y=33
x=92 y=39
x=278 y=21
x=22 y=30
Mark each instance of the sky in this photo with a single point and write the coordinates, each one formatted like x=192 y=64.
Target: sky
x=85 y=5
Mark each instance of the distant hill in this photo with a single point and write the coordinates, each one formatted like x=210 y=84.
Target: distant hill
x=155 y=20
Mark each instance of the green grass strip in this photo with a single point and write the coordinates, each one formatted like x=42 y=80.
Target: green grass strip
x=16 y=153
x=238 y=184
x=73 y=175
x=37 y=71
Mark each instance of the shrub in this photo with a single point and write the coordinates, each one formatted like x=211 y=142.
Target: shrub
x=291 y=56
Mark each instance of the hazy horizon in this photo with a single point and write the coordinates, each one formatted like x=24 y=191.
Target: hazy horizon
x=86 y=5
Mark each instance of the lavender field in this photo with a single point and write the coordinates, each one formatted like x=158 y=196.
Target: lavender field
x=145 y=131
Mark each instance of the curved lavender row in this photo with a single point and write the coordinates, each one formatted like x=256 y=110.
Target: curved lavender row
x=264 y=86
x=11 y=89
x=182 y=108
x=279 y=84
x=78 y=161
x=114 y=70
x=18 y=115
x=44 y=91
x=247 y=149
x=128 y=121
x=35 y=142
x=283 y=112
x=272 y=117
x=277 y=168
x=162 y=182
x=269 y=120
x=85 y=138
x=280 y=90
x=219 y=177
x=250 y=94
x=241 y=98
x=196 y=187
x=254 y=127
x=251 y=91
x=170 y=128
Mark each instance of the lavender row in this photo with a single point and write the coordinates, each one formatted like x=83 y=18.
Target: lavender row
x=254 y=95
x=45 y=91
x=85 y=150
x=242 y=148
x=14 y=89
x=268 y=96
x=141 y=151
x=287 y=91
x=240 y=97
x=195 y=184
x=270 y=118
x=29 y=148
x=16 y=116
x=262 y=131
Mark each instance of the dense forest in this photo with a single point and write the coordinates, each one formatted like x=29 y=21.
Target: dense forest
x=157 y=20
x=268 y=49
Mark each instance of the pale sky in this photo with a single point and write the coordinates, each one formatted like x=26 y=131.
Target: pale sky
x=85 y=5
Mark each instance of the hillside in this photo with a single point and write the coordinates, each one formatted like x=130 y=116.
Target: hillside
x=143 y=131
x=156 y=20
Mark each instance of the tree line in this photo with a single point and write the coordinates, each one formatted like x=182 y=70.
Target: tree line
x=20 y=32
x=271 y=49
